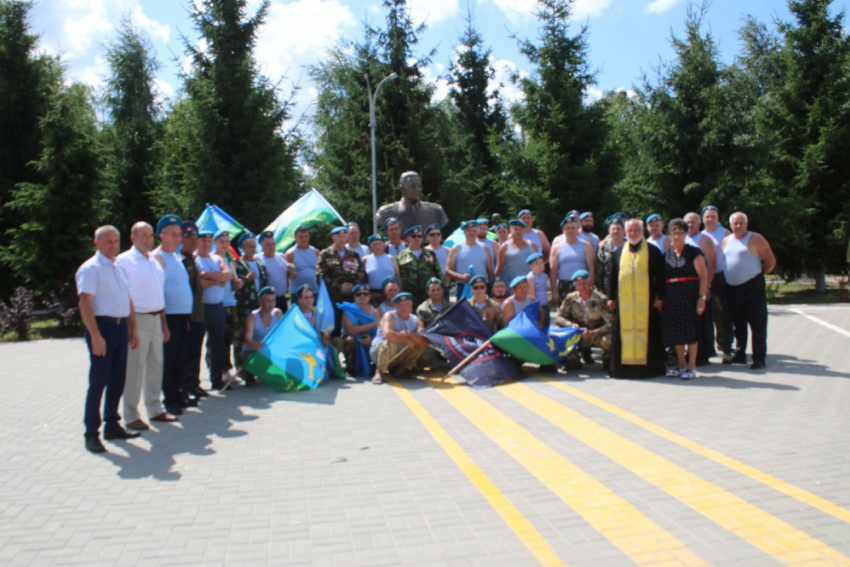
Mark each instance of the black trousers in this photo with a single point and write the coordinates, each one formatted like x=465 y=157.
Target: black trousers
x=107 y=373
x=706 y=341
x=724 y=330
x=215 y=320
x=192 y=356
x=748 y=304
x=174 y=358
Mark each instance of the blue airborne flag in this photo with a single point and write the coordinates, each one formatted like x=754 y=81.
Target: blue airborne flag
x=457 y=334
x=527 y=342
x=357 y=316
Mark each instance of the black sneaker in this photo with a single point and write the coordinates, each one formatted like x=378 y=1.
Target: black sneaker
x=737 y=359
x=118 y=432
x=174 y=409
x=93 y=445
x=758 y=365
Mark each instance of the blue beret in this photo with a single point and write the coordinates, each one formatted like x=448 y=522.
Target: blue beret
x=708 y=208
x=268 y=290
x=205 y=232
x=431 y=281
x=500 y=225
x=585 y=215
x=351 y=224
x=614 y=219
x=220 y=232
x=502 y=279
x=579 y=275
x=476 y=279
x=387 y=280
x=469 y=224
x=481 y=221
x=300 y=291
x=245 y=236
x=533 y=257
x=569 y=219
x=339 y=229
x=517 y=222
x=517 y=280
x=652 y=217
x=389 y=221
x=412 y=229
x=432 y=227
x=265 y=234
x=360 y=286
x=523 y=212
x=402 y=296
x=302 y=228
x=168 y=220
x=375 y=237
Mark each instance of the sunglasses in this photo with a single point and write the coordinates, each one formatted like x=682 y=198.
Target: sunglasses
x=435 y=234
x=415 y=236
x=479 y=287
x=362 y=294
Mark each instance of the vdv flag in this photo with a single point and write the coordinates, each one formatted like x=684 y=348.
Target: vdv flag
x=457 y=334
x=467 y=289
x=310 y=209
x=292 y=357
x=324 y=309
x=214 y=218
x=525 y=341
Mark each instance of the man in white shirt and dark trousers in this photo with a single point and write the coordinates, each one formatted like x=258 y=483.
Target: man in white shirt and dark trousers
x=146 y=279
x=107 y=312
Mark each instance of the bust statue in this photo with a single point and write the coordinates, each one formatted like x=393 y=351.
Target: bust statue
x=410 y=211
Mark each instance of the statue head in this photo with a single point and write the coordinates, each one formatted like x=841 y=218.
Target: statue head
x=411 y=186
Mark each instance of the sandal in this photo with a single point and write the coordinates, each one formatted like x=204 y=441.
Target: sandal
x=376 y=379
x=675 y=372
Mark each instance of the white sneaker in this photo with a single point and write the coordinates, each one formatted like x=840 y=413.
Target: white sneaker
x=675 y=372
x=688 y=375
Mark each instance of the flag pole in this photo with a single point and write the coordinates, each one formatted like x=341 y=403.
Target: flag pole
x=469 y=359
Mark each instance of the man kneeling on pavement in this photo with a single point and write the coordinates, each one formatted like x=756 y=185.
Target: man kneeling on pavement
x=588 y=310
x=399 y=342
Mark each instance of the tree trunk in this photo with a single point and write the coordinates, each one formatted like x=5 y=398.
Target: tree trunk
x=820 y=280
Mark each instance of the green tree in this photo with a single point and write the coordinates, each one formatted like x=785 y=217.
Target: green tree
x=559 y=161
x=58 y=215
x=131 y=134
x=239 y=156
x=26 y=80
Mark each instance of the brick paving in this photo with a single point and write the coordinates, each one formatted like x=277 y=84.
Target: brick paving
x=348 y=475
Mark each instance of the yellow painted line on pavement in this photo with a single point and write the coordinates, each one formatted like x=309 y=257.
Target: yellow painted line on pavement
x=497 y=499
x=770 y=534
x=795 y=492
x=644 y=541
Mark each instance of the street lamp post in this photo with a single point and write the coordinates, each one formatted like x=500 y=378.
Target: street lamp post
x=372 y=96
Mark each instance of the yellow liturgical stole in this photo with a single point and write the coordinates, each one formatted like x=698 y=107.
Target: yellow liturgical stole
x=633 y=304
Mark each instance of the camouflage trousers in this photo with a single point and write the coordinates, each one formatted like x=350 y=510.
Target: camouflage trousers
x=348 y=347
x=387 y=351
x=599 y=341
x=239 y=339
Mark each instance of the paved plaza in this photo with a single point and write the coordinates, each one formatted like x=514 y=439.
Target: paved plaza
x=739 y=467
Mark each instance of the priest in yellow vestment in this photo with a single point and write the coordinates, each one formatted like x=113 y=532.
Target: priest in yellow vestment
x=636 y=294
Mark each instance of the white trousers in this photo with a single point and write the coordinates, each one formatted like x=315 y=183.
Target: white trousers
x=144 y=370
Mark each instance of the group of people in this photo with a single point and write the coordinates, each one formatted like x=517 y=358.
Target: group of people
x=147 y=310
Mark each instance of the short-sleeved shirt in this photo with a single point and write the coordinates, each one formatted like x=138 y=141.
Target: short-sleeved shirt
x=106 y=282
x=146 y=278
x=276 y=270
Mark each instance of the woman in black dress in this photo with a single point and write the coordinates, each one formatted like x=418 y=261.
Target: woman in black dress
x=687 y=291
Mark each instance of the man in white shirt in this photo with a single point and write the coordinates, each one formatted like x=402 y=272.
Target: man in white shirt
x=279 y=271
x=146 y=279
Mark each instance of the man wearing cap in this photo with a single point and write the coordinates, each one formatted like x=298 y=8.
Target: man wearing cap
x=655 y=226
x=352 y=241
x=724 y=328
x=516 y=302
x=533 y=234
x=214 y=275
x=394 y=242
x=748 y=259
x=588 y=310
x=467 y=255
x=433 y=308
x=278 y=270
x=499 y=290
x=512 y=260
x=378 y=266
x=485 y=306
x=107 y=313
x=352 y=333
x=257 y=325
x=254 y=277
x=567 y=257
x=144 y=364
x=303 y=258
x=411 y=210
x=417 y=265
x=615 y=225
x=399 y=342
x=178 y=309
x=586 y=233
x=195 y=338
x=341 y=269
x=709 y=251
x=221 y=240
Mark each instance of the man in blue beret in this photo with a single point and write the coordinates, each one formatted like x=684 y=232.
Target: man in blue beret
x=616 y=228
x=514 y=305
x=342 y=269
x=437 y=303
x=489 y=311
x=399 y=342
x=394 y=245
x=655 y=226
x=195 y=339
x=214 y=274
x=278 y=270
x=587 y=233
x=417 y=265
x=353 y=240
x=533 y=234
x=569 y=255
x=252 y=273
x=588 y=310
x=303 y=258
x=467 y=255
x=513 y=254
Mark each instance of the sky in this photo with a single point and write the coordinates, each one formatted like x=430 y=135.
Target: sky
x=626 y=37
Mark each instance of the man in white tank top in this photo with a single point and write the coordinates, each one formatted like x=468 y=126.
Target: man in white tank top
x=709 y=250
x=723 y=329
x=748 y=259
x=655 y=226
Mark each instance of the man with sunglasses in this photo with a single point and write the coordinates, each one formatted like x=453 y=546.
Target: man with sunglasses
x=486 y=307
x=417 y=265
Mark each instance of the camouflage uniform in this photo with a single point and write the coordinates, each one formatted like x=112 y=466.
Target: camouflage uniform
x=427 y=314
x=604 y=257
x=196 y=328
x=595 y=316
x=415 y=272
x=337 y=270
x=491 y=314
x=246 y=302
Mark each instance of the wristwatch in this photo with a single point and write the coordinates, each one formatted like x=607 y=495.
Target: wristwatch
x=703 y=297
